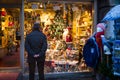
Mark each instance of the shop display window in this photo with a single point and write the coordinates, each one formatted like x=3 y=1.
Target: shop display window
x=67 y=27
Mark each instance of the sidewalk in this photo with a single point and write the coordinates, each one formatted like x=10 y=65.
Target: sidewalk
x=63 y=76
x=10 y=74
x=16 y=74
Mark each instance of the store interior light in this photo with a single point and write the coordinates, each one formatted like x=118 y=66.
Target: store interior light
x=41 y=5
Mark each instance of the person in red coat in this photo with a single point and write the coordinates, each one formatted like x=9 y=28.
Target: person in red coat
x=100 y=31
x=98 y=36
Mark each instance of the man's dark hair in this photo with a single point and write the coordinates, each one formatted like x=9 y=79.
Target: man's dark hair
x=36 y=26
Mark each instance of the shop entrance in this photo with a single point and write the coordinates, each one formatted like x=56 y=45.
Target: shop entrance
x=67 y=26
x=9 y=42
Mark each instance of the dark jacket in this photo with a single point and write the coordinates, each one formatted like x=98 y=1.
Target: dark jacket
x=36 y=43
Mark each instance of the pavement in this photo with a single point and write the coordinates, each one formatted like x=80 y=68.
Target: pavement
x=15 y=74
x=62 y=76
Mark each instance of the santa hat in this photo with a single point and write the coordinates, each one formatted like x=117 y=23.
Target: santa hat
x=101 y=25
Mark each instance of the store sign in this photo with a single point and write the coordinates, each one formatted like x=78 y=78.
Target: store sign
x=34 y=6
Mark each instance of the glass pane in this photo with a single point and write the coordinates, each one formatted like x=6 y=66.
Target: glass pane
x=67 y=26
x=9 y=45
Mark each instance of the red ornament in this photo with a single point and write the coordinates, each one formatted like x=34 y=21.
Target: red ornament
x=10 y=23
x=2 y=13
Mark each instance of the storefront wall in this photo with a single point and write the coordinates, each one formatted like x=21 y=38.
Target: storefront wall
x=99 y=9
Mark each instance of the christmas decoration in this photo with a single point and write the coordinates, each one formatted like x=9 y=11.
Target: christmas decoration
x=58 y=25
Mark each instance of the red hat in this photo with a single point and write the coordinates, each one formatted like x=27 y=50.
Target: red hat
x=101 y=25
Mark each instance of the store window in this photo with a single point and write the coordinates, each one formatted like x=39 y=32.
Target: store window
x=67 y=26
x=9 y=45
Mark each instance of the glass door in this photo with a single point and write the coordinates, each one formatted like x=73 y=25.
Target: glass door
x=9 y=41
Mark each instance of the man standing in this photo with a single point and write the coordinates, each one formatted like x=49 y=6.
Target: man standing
x=36 y=46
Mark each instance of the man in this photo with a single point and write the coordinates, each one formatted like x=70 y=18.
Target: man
x=36 y=46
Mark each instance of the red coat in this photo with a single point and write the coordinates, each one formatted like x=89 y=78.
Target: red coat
x=98 y=38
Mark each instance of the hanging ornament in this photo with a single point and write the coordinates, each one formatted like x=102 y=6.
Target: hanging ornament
x=11 y=23
x=2 y=13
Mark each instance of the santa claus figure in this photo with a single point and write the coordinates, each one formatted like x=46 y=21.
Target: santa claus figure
x=67 y=37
